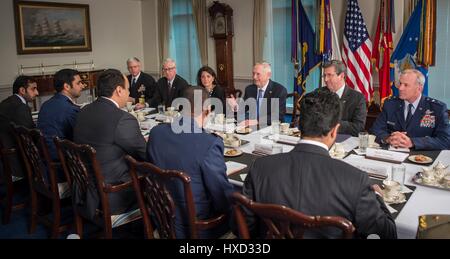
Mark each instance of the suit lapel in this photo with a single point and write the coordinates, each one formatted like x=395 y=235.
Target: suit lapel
x=269 y=91
x=419 y=113
x=401 y=115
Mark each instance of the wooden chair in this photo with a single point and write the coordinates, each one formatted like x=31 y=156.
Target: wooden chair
x=295 y=108
x=88 y=187
x=373 y=110
x=10 y=183
x=154 y=199
x=41 y=174
x=283 y=222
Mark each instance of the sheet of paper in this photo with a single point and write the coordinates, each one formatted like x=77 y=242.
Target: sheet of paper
x=398 y=149
x=234 y=167
x=375 y=168
x=350 y=144
x=386 y=155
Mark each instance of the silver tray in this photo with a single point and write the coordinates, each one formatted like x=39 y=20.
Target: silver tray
x=417 y=179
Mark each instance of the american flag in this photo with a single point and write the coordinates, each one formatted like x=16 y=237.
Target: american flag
x=357 y=51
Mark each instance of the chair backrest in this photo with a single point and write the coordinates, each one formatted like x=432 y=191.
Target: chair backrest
x=154 y=198
x=39 y=166
x=373 y=110
x=295 y=108
x=283 y=222
x=84 y=177
x=7 y=177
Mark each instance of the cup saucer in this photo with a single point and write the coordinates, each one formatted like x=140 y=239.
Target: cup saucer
x=394 y=199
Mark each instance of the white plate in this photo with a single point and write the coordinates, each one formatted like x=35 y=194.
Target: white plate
x=244 y=131
x=227 y=152
x=427 y=160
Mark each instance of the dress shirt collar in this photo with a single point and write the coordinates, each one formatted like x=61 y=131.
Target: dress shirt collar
x=263 y=89
x=315 y=143
x=415 y=105
x=135 y=78
x=340 y=92
x=111 y=100
x=21 y=98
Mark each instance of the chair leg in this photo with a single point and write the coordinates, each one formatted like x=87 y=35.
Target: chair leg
x=56 y=219
x=78 y=225
x=34 y=212
x=8 y=206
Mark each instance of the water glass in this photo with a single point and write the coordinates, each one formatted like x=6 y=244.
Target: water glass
x=161 y=109
x=363 y=141
x=275 y=127
x=129 y=106
x=398 y=174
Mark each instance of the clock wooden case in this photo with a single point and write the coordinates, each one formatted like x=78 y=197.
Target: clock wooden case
x=221 y=21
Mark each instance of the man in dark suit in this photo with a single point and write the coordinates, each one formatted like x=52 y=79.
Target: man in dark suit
x=15 y=109
x=412 y=120
x=113 y=133
x=171 y=147
x=57 y=115
x=260 y=97
x=309 y=180
x=353 y=103
x=140 y=82
x=170 y=86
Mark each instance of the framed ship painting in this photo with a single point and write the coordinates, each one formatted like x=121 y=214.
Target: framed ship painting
x=47 y=27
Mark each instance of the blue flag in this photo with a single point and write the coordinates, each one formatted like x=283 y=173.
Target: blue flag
x=306 y=42
x=405 y=55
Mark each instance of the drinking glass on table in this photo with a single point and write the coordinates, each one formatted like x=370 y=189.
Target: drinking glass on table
x=161 y=109
x=129 y=106
x=398 y=173
x=363 y=141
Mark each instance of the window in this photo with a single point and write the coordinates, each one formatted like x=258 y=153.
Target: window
x=183 y=41
x=439 y=86
x=277 y=47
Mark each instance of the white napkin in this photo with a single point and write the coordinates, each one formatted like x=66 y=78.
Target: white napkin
x=221 y=127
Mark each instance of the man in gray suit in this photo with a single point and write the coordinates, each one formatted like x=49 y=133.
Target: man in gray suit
x=113 y=133
x=310 y=181
x=353 y=103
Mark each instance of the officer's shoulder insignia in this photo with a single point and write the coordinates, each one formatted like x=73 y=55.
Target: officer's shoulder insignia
x=434 y=101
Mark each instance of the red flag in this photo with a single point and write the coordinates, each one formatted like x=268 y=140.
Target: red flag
x=383 y=46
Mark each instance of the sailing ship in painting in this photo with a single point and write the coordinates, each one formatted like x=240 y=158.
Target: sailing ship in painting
x=52 y=33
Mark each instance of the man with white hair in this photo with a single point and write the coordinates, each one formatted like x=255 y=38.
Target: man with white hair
x=140 y=82
x=170 y=86
x=412 y=120
x=264 y=91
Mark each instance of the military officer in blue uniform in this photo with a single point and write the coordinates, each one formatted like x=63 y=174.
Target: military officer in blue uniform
x=412 y=120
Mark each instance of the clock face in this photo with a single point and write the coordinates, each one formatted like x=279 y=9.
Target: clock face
x=219 y=24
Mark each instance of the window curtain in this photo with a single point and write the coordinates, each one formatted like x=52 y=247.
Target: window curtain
x=201 y=18
x=259 y=29
x=163 y=28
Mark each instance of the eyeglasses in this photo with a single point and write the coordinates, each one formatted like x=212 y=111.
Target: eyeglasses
x=328 y=75
x=168 y=69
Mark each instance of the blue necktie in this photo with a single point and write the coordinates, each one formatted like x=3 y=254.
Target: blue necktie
x=133 y=83
x=410 y=114
x=258 y=101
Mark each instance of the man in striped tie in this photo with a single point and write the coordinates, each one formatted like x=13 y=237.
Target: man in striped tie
x=353 y=103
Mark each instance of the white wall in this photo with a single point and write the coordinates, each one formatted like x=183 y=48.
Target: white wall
x=116 y=30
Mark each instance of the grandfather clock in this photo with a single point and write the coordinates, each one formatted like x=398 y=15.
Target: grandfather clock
x=222 y=31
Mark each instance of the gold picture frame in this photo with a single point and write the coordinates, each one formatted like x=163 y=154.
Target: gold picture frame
x=48 y=27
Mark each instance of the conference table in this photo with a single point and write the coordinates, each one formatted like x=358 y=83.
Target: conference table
x=422 y=201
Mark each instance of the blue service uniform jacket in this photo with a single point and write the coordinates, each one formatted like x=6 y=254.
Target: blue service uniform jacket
x=57 y=117
x=428 y=129
x=200 y=155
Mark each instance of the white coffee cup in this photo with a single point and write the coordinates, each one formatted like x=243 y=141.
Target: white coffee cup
x=129 y=106
x=392 y=188
x=219 y=119
x=284 y=127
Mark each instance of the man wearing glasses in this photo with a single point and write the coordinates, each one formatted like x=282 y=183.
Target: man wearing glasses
x=170 y=86
x=353 y=103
